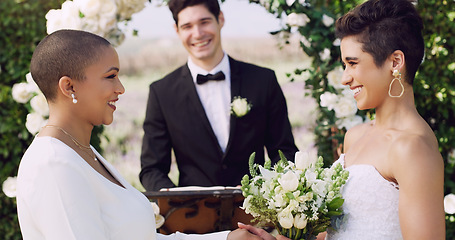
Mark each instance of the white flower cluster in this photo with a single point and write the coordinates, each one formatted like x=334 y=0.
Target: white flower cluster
x=29 y=91
x=100 y=17
x=342 y=102
x=291 y=195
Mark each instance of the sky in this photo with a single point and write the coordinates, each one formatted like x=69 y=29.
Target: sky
x=242 y=19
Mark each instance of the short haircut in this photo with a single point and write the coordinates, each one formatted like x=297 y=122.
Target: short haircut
x=64 y=53
x=383 y=26
x=176 y=6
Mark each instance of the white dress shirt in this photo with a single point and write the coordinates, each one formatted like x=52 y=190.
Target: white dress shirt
x=215 y=97
x=60 y=196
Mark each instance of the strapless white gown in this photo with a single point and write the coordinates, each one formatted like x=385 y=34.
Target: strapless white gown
x=370 y=206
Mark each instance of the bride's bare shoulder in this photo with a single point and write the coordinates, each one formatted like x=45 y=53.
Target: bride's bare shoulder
x=354 y=133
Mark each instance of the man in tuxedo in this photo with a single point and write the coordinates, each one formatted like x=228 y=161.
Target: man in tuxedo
x=188 y=111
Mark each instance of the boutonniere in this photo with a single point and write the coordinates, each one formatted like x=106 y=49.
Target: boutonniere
x=240 y=106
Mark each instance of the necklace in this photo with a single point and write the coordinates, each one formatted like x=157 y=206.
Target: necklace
x=78 y=144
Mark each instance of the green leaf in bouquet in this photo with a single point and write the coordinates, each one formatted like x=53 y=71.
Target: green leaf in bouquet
x=282 y=157
x=334 y=213
x=335 y=204
x=253 y=172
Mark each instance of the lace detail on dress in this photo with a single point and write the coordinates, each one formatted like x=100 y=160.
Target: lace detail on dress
x=370 y=206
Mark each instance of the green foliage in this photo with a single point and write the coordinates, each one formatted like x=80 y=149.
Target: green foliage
x=23 y=25
x=434 y=84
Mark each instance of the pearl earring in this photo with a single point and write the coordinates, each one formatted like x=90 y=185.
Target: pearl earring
x=74 y=98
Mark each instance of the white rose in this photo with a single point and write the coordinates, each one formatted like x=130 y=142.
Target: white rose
x=90 y=8
x=325 y=54
x=349 y=122
x=305 y=41
x=303 y=160
x=335 y=76
x=39 y=104
x=297 y=19
x=449 y=203
x=337 y=42
x=32 y=87
x=327 y=21
x=21 y=93
x=329 y=100
x=34 y=122
x=345 y=107
x=279 y=200
x=300 y=221
x=65 y=18
x=9 y=187
x=289 y=181
x=285 y=219
x=240 y=106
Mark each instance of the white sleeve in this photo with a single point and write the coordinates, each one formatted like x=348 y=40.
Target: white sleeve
x=181 y=236
x=61 y=202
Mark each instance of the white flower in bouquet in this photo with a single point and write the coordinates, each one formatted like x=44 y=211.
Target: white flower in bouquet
x=329 y=100
x=334 y=78
x=449 y=203
x=297 y=19
x=240 y=106
x=39 y=105
x=21 y=92
x=327 y=21
x=305 y=41
x=65 y=18
x=304 y=160
x=34 y=122
x=9 y=187
x=300 y=200
x=345 y=107
x=336 y=42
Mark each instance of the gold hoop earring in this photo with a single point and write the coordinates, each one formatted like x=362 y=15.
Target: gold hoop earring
x=74 y=98
x=397 y=77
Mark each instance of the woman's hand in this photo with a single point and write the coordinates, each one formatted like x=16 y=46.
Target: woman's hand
x=260 y=233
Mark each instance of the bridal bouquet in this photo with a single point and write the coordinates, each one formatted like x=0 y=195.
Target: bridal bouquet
x=300 y=199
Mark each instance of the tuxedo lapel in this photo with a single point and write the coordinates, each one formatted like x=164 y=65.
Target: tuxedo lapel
x=191 y=94
x=235 y=91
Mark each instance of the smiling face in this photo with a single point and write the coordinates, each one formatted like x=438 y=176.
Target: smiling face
x=368 y=82
x=199 y=32
x=99 y=91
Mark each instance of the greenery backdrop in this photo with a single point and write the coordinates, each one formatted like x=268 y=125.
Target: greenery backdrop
x=23 y=26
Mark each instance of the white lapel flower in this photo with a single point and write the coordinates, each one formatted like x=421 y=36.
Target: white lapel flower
x=240 y=106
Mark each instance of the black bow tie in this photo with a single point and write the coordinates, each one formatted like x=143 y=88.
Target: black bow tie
x=201 y=79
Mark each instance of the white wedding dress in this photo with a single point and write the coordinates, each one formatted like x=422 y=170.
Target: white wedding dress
x=370 y=206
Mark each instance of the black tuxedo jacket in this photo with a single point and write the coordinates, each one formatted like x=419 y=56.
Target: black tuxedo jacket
x=175 y=120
